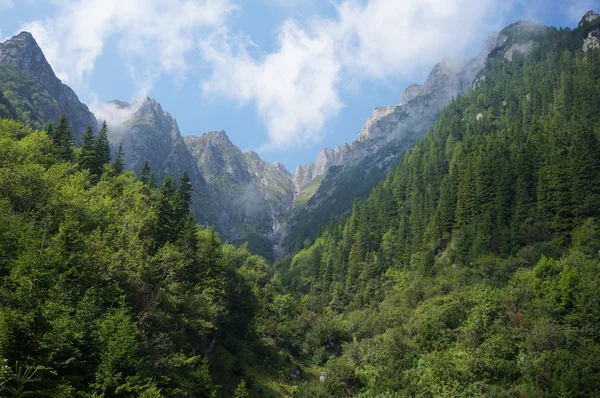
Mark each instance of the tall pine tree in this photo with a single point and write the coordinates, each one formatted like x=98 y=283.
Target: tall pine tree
x=62 y=137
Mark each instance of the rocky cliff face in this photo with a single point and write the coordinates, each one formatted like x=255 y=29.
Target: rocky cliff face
x=591 y=20
x=34 y=87
x=250 y=193
x=419 y=107
x=151 y=134
x=148 y=133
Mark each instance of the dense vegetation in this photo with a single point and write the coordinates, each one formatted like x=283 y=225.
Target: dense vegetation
x=474 y=269
x=22 y=97
x=107 y=285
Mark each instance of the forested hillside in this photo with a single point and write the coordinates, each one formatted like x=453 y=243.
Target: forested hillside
x=474 y=269
x=107 y=285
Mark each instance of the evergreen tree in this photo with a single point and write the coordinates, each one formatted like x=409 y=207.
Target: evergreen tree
x=152 y=180
x=62 y=137
x=168 y=212
x=119 y=164
x=145 y=174
x=102 y=150
x=241 y=390
x=185 y=194
x=87 y=156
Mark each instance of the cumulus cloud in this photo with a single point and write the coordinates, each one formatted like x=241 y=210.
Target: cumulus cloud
x=296 y=89
x=159 y=32
x=293 y=89
x=6 y=3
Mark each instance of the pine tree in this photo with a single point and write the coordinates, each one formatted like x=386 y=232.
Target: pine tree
x=145 y=174
x=49 y=129
x=88 y=150
x=241 y=391
x=152 y=180
x=119 y=164
x=61 y=135
x=102 y=150
x=185 y=193
x=167 y=212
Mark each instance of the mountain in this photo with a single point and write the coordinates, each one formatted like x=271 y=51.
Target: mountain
x=350 y=171
x=251 y=194
x=238 y=193
x=32 y=90
x=149 y=134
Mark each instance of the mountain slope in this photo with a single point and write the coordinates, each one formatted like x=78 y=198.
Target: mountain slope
x=237 y=193
x=250 y=192
x=473 y=270
x=36 y=95
x=350 y=171
x=149 y=134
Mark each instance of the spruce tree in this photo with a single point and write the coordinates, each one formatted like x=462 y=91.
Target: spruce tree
x=49 y=129
x=88 y=150
x=119 y=164
x=241 y=391
x=102 y=150
x=185 y=193
x=61 y=135
x=152 y=180
x=168 y=212
x=145 y=174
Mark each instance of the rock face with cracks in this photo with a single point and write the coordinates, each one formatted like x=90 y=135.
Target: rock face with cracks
x=29 y=83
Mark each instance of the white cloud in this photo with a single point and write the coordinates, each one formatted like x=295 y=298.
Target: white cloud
x=159 y=32
x=6 y=3
x=116 y=116
x=296 y=89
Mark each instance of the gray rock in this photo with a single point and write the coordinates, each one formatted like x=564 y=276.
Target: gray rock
x=410 y=93
x=23 y=52
x=302 y=176
x=250 y=193
x=518 y=48
x=588 y=18
x=592 y=41
x=148 y=133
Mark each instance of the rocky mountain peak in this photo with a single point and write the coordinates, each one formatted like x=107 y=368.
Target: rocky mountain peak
x=219 y=138
x=589 y=17
x=410 y=93
x=592 y=40
x=149 y=134
x=280 y=168
x=22 y=52
x=303 y=175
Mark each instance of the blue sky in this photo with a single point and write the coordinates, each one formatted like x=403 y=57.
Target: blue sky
x=285 y=78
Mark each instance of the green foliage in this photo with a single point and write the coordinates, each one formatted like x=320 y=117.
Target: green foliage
x=119 y=163
x=62 y=137
x=241 y=391
x=473 y=269
x=23 y=98
x=108 y=287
